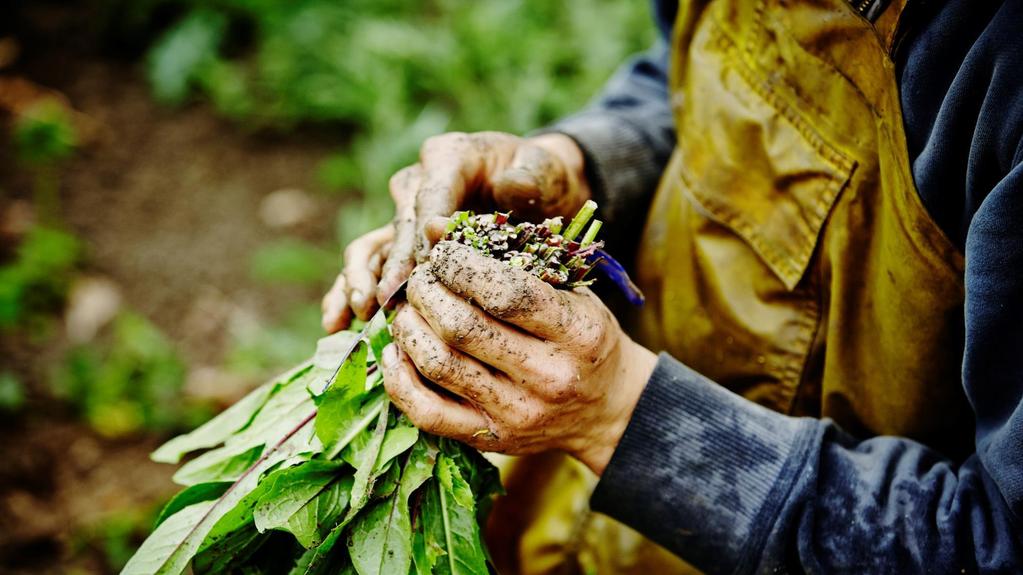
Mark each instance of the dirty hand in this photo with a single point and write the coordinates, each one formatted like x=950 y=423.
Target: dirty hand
x=492 y=356
x=536 y=177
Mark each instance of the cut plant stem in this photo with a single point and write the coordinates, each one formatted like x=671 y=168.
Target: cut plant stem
x=580 y=220
x=591 y=233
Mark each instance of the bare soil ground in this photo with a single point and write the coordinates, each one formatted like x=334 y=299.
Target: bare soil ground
x=166 y=202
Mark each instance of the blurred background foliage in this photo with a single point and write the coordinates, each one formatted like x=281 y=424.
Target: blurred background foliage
x=392 y=71
x=372 y=78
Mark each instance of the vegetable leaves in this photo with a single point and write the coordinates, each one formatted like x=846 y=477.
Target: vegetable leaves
x=314 y=473
x=301 y=479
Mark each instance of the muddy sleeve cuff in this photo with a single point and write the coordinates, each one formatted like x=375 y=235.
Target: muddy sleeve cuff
x=702 y=471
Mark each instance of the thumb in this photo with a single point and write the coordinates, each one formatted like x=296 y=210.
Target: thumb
x=534 y=184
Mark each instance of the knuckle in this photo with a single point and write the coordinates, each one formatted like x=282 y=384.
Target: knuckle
x=590 y=337
x=441 y=365
x=429 y=418
x=518 y=298
x=440 y=142
x=401 y=181
x=561 y=386
x=353 y=252
x=530 y=417
x=462 y=327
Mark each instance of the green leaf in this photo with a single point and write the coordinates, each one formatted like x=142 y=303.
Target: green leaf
x=227 y=469
x=315 y=519
x=291 y=261
x=234 y=536
x=379 y=335
x=451 y=480
x=289 y=404
x=397 y=440
x=330 y=350
x=168 y=551
x=317 y=561
x=366 y=467
x=339 y=403
x=292 y=491
x=361 y=489
x=175 y=60
x=381 y=540
x=231 y=421
x=159 y=553
x=449 y=521
x=192 y=495
x=482 y=476
x=423 y=559
x=348 y=430
x=229 y=551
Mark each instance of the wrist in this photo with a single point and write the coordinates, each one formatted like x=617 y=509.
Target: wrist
x=573 y=161
x=636 y=364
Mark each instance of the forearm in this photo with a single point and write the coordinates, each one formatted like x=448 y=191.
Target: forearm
x=735 y=488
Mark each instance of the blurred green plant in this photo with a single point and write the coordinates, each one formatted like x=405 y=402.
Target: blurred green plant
x=129 y=382
x=392 y=71
x=115 y=537
x=266 y=349
x=292 y=261
x=36 y=280
x=12 y=393
x=43 y=137
x=44 y=133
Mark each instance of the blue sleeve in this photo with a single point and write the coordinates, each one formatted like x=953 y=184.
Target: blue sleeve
x=627 y=133
x=735 y=488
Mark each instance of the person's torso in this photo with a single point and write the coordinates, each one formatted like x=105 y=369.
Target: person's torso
x=787 y=254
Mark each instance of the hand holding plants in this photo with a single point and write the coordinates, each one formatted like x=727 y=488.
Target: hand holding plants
x=534 y=177
x=491 y=355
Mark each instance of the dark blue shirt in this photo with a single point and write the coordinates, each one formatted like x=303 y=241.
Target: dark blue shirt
x=735 y=488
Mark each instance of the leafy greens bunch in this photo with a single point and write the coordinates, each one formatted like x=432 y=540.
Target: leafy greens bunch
x=315 y=472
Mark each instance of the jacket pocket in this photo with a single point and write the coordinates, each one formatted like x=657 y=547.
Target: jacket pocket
x=752 y=162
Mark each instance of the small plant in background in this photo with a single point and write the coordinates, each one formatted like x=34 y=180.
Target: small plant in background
x=115 y=536
x=12 y=393
x=35 y=283
x=43 y=137
x=129 y=382
x=44 y=133
x=291 y=261
x=256 y=350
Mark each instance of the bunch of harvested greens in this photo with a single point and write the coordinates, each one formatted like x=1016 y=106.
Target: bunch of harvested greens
x=315 y=472
x=540 y=249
